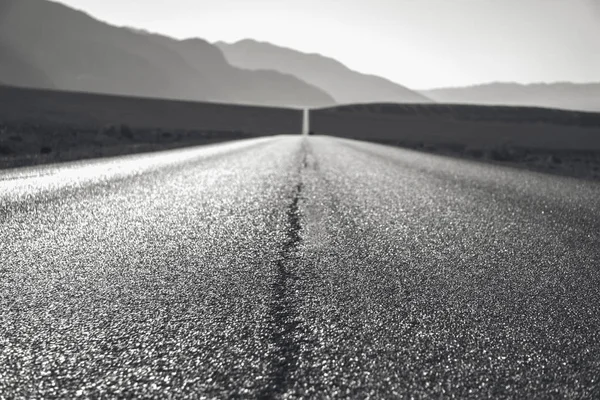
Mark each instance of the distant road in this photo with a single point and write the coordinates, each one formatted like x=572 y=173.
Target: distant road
x=307 y=267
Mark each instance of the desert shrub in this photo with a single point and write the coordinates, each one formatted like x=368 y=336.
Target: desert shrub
x=554 y=159
x=473 y=152
x=453 y=147
x=5 y=150
x=110 y=130
x=506 y=153
x=126 y=131
x=45 y=150
x=497 y=154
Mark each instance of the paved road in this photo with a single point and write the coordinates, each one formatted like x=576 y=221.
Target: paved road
x=290 y=267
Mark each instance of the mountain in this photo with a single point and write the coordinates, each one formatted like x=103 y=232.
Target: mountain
x=344 y=84
x=571 y=96
x=18 y=70
x=255 y=87
x=79 y=53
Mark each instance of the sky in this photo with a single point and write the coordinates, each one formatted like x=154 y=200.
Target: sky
x=418 y=43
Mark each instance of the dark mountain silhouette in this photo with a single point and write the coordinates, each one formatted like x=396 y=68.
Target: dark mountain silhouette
x=572 y=96
x=79 y=53
x=344 y=84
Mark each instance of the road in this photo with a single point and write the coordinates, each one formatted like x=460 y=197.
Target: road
x=297 y=267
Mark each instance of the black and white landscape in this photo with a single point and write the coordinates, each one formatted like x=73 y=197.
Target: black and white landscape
x=191 y=218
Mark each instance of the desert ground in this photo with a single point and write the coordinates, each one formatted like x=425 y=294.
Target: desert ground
x=549 y=140
x=289 y=266
x=44 y=126
x=41 y=126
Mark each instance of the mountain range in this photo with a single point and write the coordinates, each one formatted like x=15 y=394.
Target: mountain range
x=48 y=45
x=345 y=85
x=565 y=95
x=44 y=44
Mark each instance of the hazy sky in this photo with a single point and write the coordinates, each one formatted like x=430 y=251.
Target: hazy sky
x=418 y=43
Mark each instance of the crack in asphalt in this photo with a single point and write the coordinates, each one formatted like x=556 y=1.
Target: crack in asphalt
x=283 y=308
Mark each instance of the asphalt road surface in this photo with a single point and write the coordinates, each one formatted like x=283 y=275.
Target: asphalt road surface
x=291 y=267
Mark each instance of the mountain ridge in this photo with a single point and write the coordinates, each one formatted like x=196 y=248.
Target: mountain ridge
x=340 y=81
x=565 y=95
x=102 y=58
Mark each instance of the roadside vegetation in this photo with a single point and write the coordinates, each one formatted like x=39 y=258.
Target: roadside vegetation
x=556 y=141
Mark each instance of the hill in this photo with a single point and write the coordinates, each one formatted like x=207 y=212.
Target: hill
x=570 y=96
x=16 y=69
x=40 y=126
x=79 y=53
x=344 y=84
x=548 y=140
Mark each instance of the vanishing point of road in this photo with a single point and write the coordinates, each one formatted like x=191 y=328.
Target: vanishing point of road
x=297 y=267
